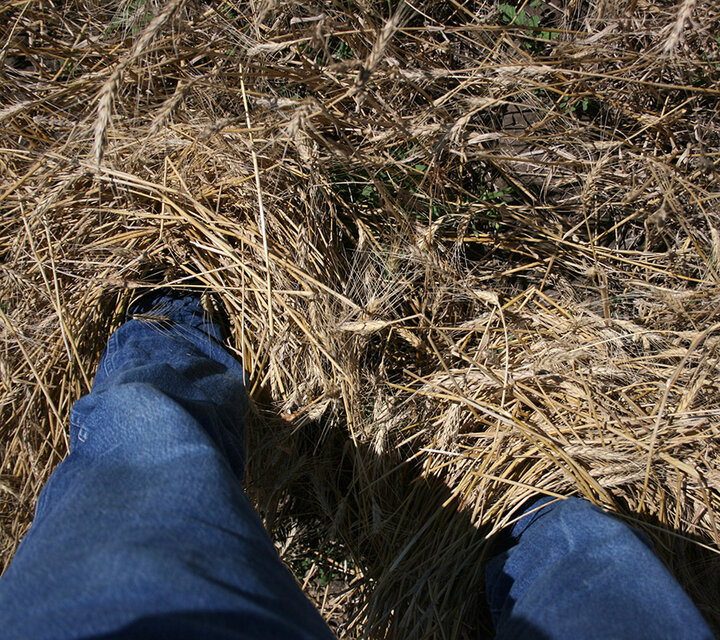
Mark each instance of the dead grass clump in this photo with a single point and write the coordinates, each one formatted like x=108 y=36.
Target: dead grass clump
x=470 y=251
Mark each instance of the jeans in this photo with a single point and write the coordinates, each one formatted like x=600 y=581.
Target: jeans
x=568 y=571
x=144 y=530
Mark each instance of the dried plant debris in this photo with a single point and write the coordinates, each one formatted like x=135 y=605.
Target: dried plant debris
x=469 y=250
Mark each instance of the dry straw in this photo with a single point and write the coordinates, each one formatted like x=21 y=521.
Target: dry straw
x=467 y=257
x=106 y=96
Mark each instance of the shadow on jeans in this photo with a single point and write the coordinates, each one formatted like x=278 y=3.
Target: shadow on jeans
x=695 y=566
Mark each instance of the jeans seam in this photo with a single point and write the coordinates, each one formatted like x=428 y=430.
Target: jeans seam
x=111 y=350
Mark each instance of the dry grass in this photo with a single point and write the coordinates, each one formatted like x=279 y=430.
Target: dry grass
x=467 y=256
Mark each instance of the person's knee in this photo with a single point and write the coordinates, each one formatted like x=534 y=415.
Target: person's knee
x=136 y=416
x=585 y=525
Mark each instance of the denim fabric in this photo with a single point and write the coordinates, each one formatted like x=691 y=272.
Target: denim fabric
x=144 y=530
x=569 y=571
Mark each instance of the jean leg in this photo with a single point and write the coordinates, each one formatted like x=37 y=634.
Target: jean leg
x=144 y=530
x=570 y=571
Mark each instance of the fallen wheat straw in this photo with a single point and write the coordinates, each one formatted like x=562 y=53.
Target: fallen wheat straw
x=437 y=239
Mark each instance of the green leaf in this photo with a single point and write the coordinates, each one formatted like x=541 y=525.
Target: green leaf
x=508 y=11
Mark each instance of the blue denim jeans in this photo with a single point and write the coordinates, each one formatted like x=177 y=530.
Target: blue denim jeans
x=568 y=571
x=144 y=530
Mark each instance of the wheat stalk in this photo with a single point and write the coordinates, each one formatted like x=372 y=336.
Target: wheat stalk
x=420 y=316
x=684 y=15
x=380 y=45
x=109 y=89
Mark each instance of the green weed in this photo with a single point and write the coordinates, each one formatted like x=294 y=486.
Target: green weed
x=512 y=17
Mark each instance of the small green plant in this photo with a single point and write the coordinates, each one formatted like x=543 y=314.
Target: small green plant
x=323 y=575
x=343 y=51
x=368 y=192
x=569 y=105
x=229 y=12
x=511 y=16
